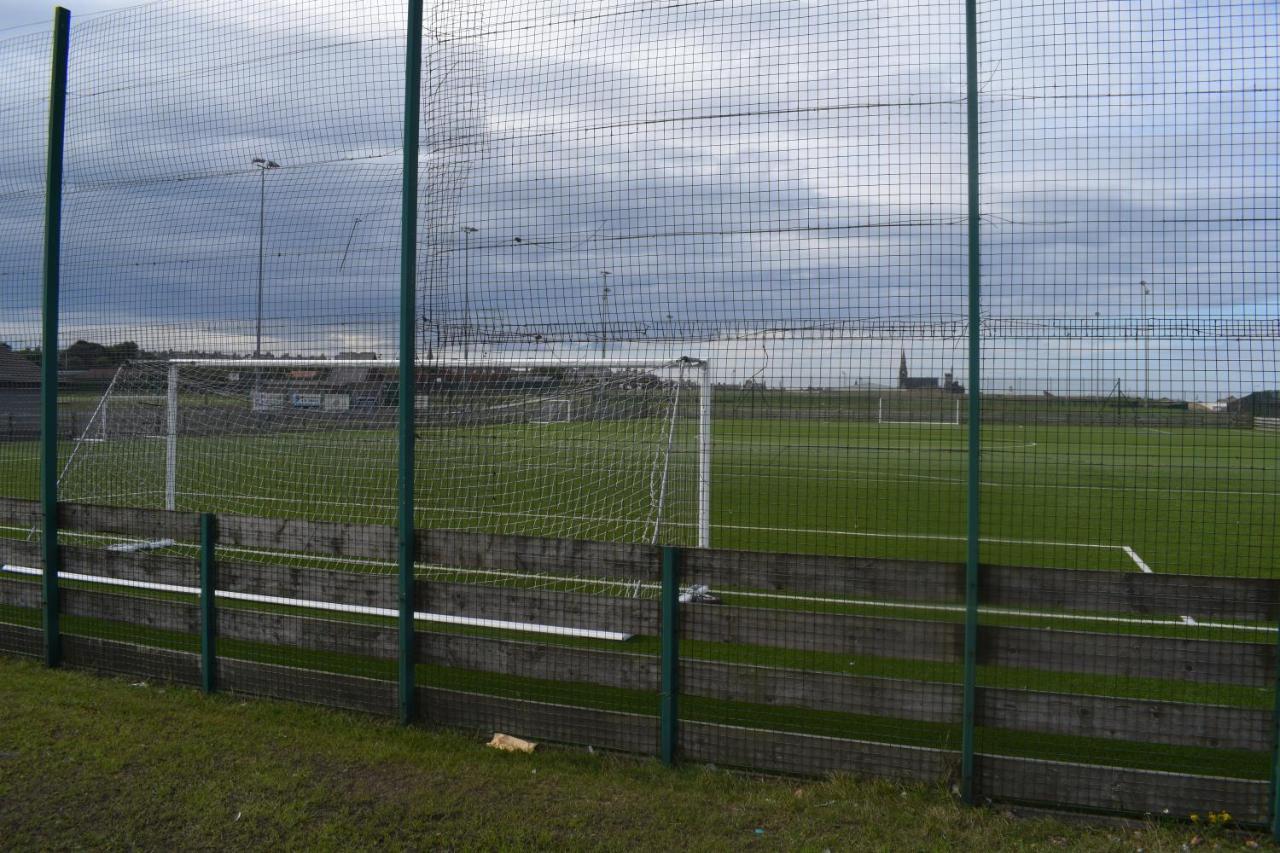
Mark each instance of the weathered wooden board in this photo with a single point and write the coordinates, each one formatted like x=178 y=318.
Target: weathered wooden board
x=1137 y=792
x=327 y=538
x=363 y=589
x=1137 y=593
x=566 y=557
x=855 y=577
x=16 y=512
x=1128 y=655
x=130 y=659
x=305 y=685
x=538 y=606
x=21 y=640
x=539 y=721
x=325 y=635
x=1117 y=718
x=822 y=691
x=536 y=660
x=130 y=521
x=24 y=593
x=826 y=632
x=18 y=552
x=157 y=613
x=138 y=566
x=811 y=755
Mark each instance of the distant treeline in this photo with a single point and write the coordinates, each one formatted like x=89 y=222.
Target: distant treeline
x=88 y=355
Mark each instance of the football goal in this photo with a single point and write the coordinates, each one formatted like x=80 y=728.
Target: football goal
x=607 y=449
x=922 y=410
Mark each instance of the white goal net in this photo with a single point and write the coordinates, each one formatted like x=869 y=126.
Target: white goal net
x=585 y=450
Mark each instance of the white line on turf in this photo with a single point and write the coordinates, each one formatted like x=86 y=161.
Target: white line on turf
x=1133 y=555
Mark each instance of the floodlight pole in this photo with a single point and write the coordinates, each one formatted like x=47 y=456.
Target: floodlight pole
x=263 y=166
x=1146 y=346
x=604 y=313
x=467 y=231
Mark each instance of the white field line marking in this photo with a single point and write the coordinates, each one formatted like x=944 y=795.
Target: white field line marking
x=1133 y=555
x=442 y=618
x=868 y=476
x=931 y=536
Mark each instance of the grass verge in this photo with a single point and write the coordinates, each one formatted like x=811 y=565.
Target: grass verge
x=102 y=763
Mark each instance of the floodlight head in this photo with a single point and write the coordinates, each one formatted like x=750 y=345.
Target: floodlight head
x=467 y=229
x=264 y=164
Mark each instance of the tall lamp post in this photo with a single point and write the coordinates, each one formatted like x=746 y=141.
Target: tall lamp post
x=1146 y=346
x=467 y=231
x=263 y=166
x=604 y=313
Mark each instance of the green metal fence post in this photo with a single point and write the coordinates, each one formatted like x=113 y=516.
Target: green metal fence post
x=408 y=349
x=208 y=614
x=975 y=411
x=670 y=642
x=1274 y=805
x=49 y=335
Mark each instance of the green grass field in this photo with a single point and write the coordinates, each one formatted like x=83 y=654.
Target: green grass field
x=1185 y=500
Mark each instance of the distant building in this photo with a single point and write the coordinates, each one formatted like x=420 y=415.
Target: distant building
x=907 y=382
x=19 y=396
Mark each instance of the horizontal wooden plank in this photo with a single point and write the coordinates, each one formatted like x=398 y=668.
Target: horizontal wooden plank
x=130 y=521
x=120 y=658
x=535 y=660
x=144 y=567
x=329 y=538
x=1128 y=655
x=1139 y=593
x=1116 y=789
x=1116 y=718
x=19 y=552
x=822 y=691
x=21 y=593
x=825 y=632
x=539 y=606
x=856 y=577
x=539 y=720
x=363 y=589
x=572 y=558
x=158 y=613
x=16 y=512
x=811 y=755
x=326 y=635
x=273 y=681
x=21 y=640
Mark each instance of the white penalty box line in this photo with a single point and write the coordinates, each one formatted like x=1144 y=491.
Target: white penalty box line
x=941 y=537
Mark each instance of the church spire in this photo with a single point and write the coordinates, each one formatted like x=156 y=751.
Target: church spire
x=903 y=375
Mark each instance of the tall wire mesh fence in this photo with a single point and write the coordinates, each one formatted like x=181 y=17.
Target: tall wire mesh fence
x=693 y=276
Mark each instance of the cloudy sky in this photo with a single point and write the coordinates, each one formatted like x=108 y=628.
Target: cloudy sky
x=778 y=185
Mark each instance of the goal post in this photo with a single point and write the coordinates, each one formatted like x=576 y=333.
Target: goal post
x=615 y=449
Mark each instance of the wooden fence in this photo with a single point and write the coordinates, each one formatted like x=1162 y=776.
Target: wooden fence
x=760 y=657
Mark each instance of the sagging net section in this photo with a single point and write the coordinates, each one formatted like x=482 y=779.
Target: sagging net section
x=587 y=451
